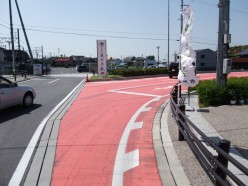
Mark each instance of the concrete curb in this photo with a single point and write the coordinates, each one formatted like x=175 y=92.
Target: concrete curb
x=41 y=167
x=170 y=169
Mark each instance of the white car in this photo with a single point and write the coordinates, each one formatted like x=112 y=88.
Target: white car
x=12 y=94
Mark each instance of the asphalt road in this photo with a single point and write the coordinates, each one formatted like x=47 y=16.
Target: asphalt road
x=17 y=125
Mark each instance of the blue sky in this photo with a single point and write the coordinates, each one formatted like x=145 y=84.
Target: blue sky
x=131 y=27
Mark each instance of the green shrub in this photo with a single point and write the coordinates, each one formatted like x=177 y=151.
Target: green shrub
x=210 y=94
x=127 y=72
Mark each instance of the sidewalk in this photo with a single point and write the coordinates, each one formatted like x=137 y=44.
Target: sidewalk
x=229 y=122
x=19 y=78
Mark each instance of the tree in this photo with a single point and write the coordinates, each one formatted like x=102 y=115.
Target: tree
x=129 y=59
x=150 y=57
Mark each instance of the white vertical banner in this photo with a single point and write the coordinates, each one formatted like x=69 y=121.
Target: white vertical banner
x=102 y=57
x=187 y=75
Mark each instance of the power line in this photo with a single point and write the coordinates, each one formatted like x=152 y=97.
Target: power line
x=94 y=35
x=108 y=36
x=4 y=26
x=89 y=30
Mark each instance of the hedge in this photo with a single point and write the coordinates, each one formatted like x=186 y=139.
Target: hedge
x=210 y=94
x=126 y=72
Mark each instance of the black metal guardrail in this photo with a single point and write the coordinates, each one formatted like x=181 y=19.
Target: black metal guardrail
x=214 y=166
x=23 y=73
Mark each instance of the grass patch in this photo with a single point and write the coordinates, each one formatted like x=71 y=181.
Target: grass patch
x=92 y=78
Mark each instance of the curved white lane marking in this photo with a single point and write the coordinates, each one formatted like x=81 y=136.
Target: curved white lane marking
x=126 y=161
x=21 y=168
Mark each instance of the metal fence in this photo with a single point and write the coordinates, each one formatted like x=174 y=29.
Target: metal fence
x=215 y=166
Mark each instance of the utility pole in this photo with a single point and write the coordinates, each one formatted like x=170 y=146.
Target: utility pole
x=12 y=41
x=223 y=40
x=168 y=63
x=19 y=52
x=42 y=52
x=181 y=29
x=18 y=35
x=25 y=34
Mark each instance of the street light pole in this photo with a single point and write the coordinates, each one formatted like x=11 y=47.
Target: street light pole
x=158 y=53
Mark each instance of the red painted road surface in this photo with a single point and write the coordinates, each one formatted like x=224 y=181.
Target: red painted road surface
x=105 y=138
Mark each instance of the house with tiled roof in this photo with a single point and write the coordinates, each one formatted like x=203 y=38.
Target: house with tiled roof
x=243 y=54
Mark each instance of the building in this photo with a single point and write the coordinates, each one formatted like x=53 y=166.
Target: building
x=139 y=62
x=206 y=59
x=62 y=62
x=148 y=63
x=1 y=55
x=1 y=60
x=240 y=62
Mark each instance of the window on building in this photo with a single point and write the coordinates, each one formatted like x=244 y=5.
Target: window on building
x=202 y=64
x=203 y=56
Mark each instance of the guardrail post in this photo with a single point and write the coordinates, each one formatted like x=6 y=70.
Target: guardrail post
x=175 y=94
x=225 y=146
x=180 y=134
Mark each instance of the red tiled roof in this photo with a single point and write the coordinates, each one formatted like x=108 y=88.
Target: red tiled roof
x=61 y=60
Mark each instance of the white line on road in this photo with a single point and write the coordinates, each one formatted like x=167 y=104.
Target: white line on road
x=22 y=166
x=126 y=161
x=169 y=87
x=139 y=86
x=53 y=81
x=135 y=93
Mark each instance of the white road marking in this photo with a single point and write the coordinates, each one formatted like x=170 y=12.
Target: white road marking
x=138 y=125
x=126 y=161
x=22 y=166
x=67 y=75
x=139 y=86
x=169 y=87
x=135 y=93
x=53 y=81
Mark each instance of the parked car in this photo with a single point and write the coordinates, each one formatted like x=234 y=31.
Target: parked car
x=173 y=69
x=12 y=94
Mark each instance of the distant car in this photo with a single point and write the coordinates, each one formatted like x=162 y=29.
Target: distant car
x=121 y=65
x=12 y=94
x=162 y=66
x=82 y=68
x=152 y=66
x=173 y=69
